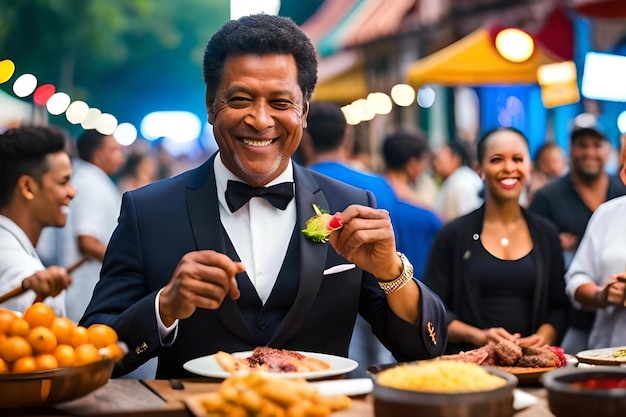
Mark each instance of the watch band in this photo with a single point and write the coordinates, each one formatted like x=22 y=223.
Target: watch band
x=399 y=282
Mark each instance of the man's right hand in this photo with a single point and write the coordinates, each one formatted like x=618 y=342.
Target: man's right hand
x=49 y=282
x=201 y=279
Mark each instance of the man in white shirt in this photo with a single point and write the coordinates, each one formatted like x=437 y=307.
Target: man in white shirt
x=35 y=191
x=461 y=187
x=195 y=267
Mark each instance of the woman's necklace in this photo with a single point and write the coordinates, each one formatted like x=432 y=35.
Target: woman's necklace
x=504 y=242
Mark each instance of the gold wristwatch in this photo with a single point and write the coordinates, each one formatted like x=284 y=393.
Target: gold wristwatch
x=399 y=282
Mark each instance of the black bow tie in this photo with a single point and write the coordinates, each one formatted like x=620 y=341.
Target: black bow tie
x=238 y=193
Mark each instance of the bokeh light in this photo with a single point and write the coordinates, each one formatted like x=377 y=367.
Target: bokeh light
x=25 y=85
x=7 y=68
x=125 y=134
x=180 y=126
x=380 y=103
x=240 y=8
x=106 y=124
x=426 y=97
x=515 y=45
x=76 y=112
x=43 y=94
x=58 y=103
x=90 y=121
x=362 y=110
x=349 y=113
x=621 y=122
x=403 y=94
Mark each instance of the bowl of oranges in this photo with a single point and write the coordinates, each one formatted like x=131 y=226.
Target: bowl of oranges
x=45 y=359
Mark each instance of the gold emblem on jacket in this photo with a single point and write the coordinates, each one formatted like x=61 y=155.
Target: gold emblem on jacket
x=432 y=333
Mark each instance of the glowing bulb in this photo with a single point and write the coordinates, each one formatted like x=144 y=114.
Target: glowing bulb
x=58 y=103
x=403 y=94
x=515 y=45
x=426 y=97
x=125 y=134
x=106 y=124
x=7 y=68
x=76 y=112
x=25 y=85
x=90 y=121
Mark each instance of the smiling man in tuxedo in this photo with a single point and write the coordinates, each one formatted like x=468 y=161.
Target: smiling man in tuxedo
x=195 y=266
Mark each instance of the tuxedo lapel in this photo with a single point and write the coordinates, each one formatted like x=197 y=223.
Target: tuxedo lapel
x=203 y=206
x=312 y=255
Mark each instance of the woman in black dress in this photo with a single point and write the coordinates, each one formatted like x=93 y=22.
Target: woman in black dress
x=499 y=270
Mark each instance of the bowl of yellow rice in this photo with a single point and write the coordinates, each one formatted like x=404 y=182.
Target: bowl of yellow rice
x=443 y=388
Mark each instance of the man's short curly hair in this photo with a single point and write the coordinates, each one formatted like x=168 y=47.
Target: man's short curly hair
x=261 y=34
x=23 y=151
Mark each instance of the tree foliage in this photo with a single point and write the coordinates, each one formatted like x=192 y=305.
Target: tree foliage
x=116 y=53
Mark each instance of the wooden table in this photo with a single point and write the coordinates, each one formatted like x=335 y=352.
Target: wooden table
x=131 y=397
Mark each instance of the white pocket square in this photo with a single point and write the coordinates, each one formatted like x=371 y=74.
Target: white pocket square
x=339 y=268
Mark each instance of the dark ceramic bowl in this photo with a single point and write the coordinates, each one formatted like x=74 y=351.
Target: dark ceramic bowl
x=394 y=402
x=568 y=399
x=53 y=386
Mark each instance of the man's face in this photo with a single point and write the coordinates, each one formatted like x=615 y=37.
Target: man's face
x=588 y=156
x=53 y=193
x=109 y=156
x=445 y=162
x=257 y=114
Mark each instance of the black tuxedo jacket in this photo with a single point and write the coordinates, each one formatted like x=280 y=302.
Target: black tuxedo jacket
x=160 y=223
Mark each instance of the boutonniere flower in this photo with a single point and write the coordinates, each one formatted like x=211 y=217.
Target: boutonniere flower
x=321 y=225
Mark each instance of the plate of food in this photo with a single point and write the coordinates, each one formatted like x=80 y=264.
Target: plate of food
x=525 y=362
x=615 y=356
x=280 y=363
x=526 y=375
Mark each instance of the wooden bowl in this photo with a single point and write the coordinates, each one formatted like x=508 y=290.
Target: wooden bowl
x=498 y=402
x=53 y=386
x=566 y=399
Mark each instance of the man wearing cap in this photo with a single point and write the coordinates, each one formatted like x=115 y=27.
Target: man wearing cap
x=569 y=202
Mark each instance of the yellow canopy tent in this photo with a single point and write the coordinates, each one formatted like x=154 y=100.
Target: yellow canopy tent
x=341 y=78
x=474 y=60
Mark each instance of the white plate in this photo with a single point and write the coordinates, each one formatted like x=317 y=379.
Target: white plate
x=349 y=387
x=601 y=356
x=523 y=399
x=208 y=366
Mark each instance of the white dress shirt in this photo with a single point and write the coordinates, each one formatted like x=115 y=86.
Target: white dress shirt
x=18 y=260
x=259 y=232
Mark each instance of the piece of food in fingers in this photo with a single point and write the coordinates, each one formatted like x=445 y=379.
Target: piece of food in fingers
x=321 y=225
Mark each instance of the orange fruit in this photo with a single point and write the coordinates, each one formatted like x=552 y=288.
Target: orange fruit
x=24 y=365
x=63 y=328
x=39 y=314
x=85 y=353
x=101 y=335
x=42 y=339
x=19 y=327
x=45 y=361
x=6 y=318
x=64 y=354
x=15 y=347
x=4 y=367
x=80 y=337
x=113 y=351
